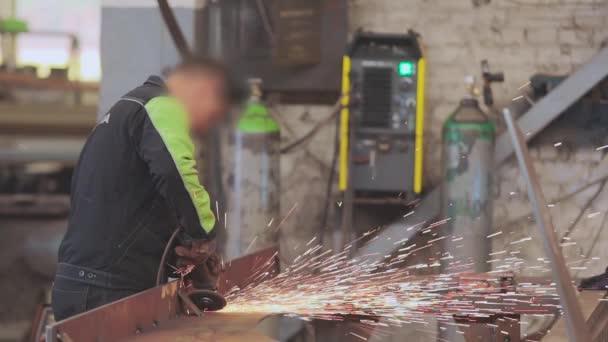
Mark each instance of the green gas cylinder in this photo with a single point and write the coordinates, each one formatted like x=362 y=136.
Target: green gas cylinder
x=468 y=167
x=253 y=207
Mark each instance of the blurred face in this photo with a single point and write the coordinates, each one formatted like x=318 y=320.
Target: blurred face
x=203 y=94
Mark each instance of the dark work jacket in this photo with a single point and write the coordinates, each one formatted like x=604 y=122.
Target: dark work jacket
x=134 y=184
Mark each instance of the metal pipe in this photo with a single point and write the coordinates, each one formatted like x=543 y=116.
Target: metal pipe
x=213 y=150
x=575 y=322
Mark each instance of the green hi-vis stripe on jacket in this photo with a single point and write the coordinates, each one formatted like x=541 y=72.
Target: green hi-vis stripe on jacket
x=170 y=121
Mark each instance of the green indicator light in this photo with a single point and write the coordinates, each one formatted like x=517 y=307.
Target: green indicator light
x=406 y=69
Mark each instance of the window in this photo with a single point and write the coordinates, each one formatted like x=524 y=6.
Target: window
x=48 y=47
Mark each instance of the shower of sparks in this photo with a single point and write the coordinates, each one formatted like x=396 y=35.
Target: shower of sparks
x=524 y=85
x=322 y=285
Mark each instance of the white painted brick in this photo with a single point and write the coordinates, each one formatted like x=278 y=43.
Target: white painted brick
x=548 y=152
x=510 y=172
x=600 y=37
x=582 y=55
x=565 y=172
x=551 y=190
x=563 y=214
x=535 y=153
x=593 y=19
x=600 y=170
x=446 y=56
x=576 y=37
x=542 y=36
x=442 y=35
x=501 y=212
x=507 y=187
x=512 y=36
x=518 y=206
x=601 y=202
x=550 y=59
x=588 y=155
x=583 y=197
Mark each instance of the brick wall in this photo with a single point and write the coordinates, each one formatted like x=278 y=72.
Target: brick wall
x=519 y=37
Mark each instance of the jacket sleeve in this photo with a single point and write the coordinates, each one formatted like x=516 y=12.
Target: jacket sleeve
x=166 y=146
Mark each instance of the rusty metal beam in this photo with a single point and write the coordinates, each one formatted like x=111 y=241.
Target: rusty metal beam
x=153 y=308
x=116 y=321
x=577 y=329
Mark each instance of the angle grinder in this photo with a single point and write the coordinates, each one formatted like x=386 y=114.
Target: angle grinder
x=204 y=279
x=201 y=283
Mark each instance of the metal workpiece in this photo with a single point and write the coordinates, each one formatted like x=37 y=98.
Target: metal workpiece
x=158 y=314
x=532 y=122
x=216 y=326
x=116 y=321
x=576 y=326
x=156 y=310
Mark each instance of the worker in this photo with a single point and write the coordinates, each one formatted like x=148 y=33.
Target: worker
x=136 y=181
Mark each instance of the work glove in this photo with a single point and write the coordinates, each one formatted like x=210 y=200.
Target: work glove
x=202 y=256
x=194 y=252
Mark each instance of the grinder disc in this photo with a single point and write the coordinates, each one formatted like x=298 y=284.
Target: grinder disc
x=207 y=300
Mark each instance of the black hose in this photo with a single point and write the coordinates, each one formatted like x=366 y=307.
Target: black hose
x=330 y=182
x=335 y=111
x=176 y=33
x=161 y=267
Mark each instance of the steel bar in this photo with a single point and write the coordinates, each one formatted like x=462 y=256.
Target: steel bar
x=532 y=122
x=576 y=327
x=556 y=102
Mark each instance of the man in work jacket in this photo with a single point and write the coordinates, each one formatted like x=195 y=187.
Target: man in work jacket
x=136 y=181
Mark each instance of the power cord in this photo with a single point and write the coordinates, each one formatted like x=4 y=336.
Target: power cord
x=334 y=113
x=161 y=275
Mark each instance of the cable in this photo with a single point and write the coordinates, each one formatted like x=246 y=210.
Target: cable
x=330 y=182
x=587 y=205
x=336 y=109
x=265 y=20
x=163 y=259
x=565 y=197
x=174 y=30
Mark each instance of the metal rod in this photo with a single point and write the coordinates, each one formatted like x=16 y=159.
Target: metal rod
x=550 y=107
x=575 y=322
